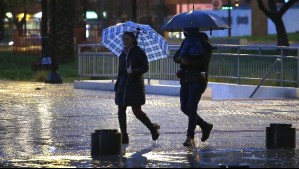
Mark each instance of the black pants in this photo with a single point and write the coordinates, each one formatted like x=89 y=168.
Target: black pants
x=190 y=96
x=139 y=115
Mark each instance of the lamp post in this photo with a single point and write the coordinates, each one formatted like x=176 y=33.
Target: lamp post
x=229 y=17
x=53 y=77
x=134 y=10
x=45 y=52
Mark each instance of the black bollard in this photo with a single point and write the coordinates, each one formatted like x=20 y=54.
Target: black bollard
x=234 y=166
x=280 y=136
x=105 y=143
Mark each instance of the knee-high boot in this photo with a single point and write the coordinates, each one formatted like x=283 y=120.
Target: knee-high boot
x=154 y=128
x=122 y=119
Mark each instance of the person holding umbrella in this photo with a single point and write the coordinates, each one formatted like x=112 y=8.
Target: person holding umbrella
x=121 y=39
x=193 y=57
x=129 y=87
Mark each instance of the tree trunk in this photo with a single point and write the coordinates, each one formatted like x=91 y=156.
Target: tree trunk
x=53 y=36
x=2 y=17
x=65 y=46
x=134 y=10
x=276 y=15
x=102 y=6
x=161 y=15
x=44 y=29
x=282 y=36
x=80 y=22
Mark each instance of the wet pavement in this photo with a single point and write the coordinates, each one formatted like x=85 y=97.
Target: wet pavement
x=44 y=125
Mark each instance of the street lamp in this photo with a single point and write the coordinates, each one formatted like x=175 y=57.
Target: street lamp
x=44 y=16
x=53 y=77
x=229 y=17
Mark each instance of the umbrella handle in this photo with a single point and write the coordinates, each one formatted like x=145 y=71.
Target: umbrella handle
x=137 y=32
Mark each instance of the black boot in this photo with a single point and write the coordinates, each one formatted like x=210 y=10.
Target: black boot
x=154 y=128
x=155 y=132
x=189 y=142
x=206 y=130
x=122 y=119
x=125 y=138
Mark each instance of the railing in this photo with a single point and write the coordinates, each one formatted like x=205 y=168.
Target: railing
x=237 y=64
x=29 y=41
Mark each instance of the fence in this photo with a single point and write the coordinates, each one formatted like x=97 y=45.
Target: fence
x=229 y=63
x=29 y=41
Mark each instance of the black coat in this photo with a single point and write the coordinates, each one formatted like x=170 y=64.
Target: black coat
x=129 y=88
x=192 y=73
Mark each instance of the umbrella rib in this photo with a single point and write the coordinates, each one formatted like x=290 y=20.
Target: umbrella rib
x=154 y=45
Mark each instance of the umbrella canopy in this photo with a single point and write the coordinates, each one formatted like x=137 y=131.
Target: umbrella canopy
x=195 y=19
x=154 y=45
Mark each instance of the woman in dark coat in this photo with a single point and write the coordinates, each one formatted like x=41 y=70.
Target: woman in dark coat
x=129 y=87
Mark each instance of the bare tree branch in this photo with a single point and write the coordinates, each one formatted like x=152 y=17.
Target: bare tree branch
x=263 y=8
x=286 y=6
x=272 y=6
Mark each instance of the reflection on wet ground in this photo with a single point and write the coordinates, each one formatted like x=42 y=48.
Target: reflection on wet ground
x=50 y=126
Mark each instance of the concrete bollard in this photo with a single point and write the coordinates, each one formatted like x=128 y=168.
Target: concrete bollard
x=105 y=143
x=280 y=136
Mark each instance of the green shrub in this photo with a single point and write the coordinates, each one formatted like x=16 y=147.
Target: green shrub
x=40 y=76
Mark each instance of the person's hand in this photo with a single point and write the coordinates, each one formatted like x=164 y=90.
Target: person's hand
x=180 y=73
x=129 y=70
x=203 y=75
x=185 y=61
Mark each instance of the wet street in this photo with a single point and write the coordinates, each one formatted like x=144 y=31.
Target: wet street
x=44 y=125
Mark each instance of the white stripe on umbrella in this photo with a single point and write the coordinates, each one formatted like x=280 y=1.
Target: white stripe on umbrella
x=154 y=45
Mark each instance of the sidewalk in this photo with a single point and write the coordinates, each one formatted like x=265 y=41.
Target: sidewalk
x=45 y=125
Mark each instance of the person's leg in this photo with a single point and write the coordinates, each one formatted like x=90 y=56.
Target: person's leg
x=193 y=98
x=140 y=115
x=184 y=94
x=205 y=127
x=184 y=98
x=122 y=119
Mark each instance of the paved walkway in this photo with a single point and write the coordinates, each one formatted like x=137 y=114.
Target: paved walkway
x=50 y=126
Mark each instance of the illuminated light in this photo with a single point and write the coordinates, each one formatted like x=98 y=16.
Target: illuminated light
x=91 y=15
x=105 y=14
x=87 y=34
x=237 y=3
x=9 y=15
x=21 y=16
x=182 y=35
x=10 y=43
x=227 y=8
x=38 y=15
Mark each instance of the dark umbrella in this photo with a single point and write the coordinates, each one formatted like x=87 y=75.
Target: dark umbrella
x=195 y=19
